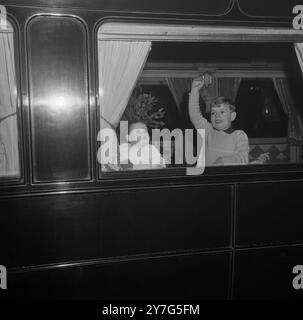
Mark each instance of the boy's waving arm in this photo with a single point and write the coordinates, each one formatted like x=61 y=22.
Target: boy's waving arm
x=195 y=115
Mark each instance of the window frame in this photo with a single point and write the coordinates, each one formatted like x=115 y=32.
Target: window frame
x=194 y=33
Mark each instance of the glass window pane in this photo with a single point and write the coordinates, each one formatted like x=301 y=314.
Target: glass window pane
x=59 y=101
x=245 y=97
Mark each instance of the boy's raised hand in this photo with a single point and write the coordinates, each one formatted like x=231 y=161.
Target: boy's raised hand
x=198 y=83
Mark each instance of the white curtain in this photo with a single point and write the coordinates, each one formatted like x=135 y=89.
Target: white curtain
x=295 y=123
x=120 y=64
x=9 y=153
x=228 y=87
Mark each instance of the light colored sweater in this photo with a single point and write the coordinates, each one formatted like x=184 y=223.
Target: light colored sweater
x=232 y=147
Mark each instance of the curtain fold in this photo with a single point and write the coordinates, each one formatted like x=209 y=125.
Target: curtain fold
x=295 y=123
x=120 y=64
x=228 y=87
x=299 y=52
x=9 y=152
x=179 y=87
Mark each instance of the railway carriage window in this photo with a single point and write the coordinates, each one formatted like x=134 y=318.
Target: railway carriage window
x=9 y=153
x=246 y=96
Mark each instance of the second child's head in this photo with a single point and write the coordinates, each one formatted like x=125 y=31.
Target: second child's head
x=138 y=133
x=223 y=113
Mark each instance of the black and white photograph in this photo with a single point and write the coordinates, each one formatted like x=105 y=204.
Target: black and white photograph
x=151 y=153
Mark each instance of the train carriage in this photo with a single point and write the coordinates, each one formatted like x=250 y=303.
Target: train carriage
x=73 y=227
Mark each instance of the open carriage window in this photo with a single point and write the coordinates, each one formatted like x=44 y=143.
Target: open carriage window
x=244 y=95
x=9 y=153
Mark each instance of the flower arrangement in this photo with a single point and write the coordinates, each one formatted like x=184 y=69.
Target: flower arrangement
x=143 y=107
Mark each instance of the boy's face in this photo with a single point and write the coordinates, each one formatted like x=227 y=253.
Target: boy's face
x=138 y=134
x=222 y=117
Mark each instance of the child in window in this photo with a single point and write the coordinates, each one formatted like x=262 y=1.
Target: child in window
x=224 y=145
x=138 y=152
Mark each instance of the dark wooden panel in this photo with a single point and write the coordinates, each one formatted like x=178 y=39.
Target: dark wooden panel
x=214 y=7
x=269 y=213
x=204 y=276
x=58 y=99
x=49 y=229
x=268 y=8
x=267 y=273
x=72 y=227
x=168 y=219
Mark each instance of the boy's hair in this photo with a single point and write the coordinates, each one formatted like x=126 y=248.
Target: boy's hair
x=222 y=100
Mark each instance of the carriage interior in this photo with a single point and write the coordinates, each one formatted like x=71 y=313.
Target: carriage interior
x=263 y=80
